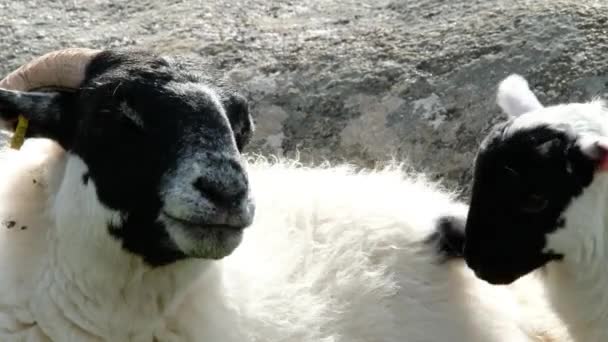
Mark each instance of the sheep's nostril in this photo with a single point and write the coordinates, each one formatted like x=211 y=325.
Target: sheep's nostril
x=221 y=195
x=225 y=202
x=209 y=192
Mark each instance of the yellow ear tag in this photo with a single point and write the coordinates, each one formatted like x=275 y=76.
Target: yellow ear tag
x=19 y=136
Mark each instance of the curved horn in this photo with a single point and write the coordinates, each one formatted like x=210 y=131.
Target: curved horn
x=62 y=68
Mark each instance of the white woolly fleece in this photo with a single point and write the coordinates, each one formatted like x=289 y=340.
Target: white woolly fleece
x=334 y=255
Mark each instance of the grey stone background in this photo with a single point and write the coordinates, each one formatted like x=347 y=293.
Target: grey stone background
x=356 y=80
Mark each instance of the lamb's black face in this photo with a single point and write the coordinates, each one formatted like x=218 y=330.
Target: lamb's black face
x=162 y=148
x=523 y=182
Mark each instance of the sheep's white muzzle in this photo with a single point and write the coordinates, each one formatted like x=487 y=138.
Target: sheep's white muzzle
x=199 y=240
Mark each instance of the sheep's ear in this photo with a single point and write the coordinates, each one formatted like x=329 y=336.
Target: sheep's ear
x=237 y=110
x=596 y=149
x=48 y=113
x=515 y=97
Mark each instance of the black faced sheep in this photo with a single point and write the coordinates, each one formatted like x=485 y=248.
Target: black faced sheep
x=539 y=202
x=129 y=216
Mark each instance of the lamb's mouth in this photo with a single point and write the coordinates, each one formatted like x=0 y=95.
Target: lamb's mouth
x=199 y=239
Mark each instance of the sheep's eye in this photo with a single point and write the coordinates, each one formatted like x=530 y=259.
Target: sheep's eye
x=534 y=203
x=134 y=122
x=131 y=115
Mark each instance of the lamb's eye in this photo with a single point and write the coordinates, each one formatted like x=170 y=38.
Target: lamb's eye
x=534 y=203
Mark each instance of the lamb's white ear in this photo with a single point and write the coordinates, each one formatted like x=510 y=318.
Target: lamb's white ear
x=595 y=148
x=515 y=97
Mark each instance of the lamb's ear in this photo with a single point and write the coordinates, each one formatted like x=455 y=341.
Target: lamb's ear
x=596 y=149
x=48 y=113
x=237 y=110
x=515 y=97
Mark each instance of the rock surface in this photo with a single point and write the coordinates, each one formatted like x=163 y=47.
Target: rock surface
x=357 y=80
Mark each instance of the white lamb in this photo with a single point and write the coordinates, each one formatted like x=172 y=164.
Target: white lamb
x=124 y=209
x=539 y=202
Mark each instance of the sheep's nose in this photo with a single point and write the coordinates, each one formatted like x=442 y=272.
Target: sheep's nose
x=226 y=195
x=209 y=191
x=230 y=206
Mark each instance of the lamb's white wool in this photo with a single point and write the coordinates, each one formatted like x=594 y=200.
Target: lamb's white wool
x=577 y=285
x=333 y=255
x=515 y=97
x=579 y=118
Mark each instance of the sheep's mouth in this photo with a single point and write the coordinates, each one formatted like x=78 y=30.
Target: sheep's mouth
x=198 y=223
x=199 y=239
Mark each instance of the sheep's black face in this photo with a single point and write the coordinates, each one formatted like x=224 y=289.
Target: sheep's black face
x=523 y=182
x=162 y=148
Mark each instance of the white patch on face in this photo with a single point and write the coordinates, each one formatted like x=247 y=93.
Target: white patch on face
x=595 y=147
x=583 y=236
